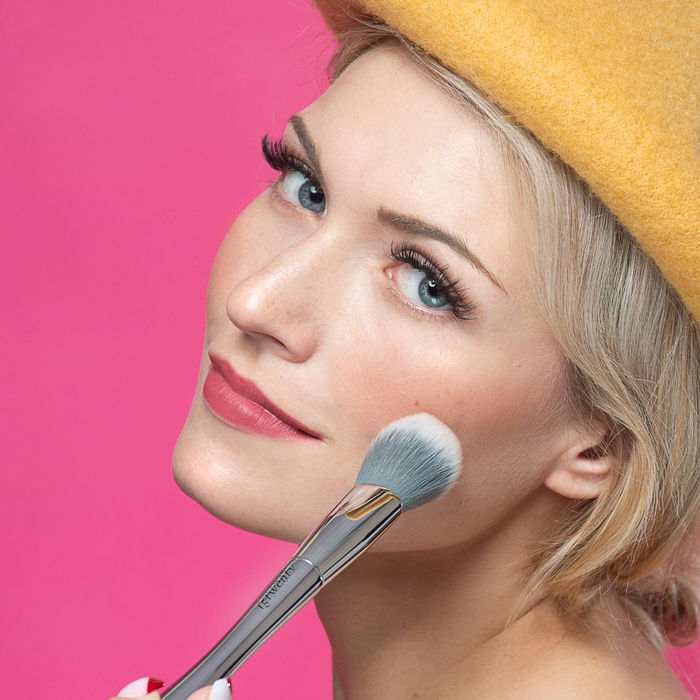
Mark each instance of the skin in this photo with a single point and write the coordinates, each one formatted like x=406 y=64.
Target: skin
x=312 y=308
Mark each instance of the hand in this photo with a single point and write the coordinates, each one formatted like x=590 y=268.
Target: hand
x=143 y=688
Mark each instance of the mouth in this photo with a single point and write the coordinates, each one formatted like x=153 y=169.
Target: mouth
x=241 y=403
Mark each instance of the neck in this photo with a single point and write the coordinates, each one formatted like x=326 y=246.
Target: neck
x=405 y=623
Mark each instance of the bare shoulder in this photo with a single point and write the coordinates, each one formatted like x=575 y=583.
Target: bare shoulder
x=576 y=673
x=595 y=683
x=551 y=658
x=588 y=668
x=587 y=674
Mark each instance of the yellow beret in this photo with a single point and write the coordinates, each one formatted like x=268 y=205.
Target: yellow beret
x=611 y=86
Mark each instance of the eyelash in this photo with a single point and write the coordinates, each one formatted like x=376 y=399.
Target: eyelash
x=460 y=304
x=279 y=157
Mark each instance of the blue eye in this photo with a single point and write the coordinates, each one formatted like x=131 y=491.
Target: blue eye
x=298 y=181
x=429 y=284
x=422 y=289
x=304 y=191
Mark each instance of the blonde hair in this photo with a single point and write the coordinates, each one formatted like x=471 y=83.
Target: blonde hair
x=633 y=364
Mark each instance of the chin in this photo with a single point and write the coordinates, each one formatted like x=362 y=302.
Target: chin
x=242 y=502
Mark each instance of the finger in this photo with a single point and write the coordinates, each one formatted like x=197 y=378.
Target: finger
x=221 y=690
x=146 y=687
x=201 y=694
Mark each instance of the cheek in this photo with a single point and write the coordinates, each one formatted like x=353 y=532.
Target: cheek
x=497 y=402
x=480 y=395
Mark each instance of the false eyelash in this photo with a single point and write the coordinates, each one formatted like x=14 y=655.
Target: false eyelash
x=279 y=157
x=462 y=306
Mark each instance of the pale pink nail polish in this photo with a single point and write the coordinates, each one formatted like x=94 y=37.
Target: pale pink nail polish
x=140 y=687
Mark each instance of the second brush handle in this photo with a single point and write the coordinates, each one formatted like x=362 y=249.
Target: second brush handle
x=365 y=512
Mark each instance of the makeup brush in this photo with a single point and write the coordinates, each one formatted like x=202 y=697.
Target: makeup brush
x=410 y=462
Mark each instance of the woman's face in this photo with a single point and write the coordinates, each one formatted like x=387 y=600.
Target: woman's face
x=317 y=296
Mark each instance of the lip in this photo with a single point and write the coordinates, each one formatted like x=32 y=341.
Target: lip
x=239 y=401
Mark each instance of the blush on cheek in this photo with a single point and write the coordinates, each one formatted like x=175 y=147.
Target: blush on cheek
x=496 y=405
x=377 y=388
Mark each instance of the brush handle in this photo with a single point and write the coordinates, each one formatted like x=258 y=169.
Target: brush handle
x=365 y=512
x=299 y=580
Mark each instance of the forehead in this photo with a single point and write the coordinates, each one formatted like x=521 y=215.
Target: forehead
x=385 y=125
x=388 y=99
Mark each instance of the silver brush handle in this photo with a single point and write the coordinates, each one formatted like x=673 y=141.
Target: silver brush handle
x=346 y=532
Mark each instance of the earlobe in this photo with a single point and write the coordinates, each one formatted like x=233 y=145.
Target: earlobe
x=582 y=472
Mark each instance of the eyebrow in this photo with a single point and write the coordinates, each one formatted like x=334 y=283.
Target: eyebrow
x=395 y=220
x=306 y=141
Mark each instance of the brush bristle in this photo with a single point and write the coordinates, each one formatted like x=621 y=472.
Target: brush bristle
x=418 y=458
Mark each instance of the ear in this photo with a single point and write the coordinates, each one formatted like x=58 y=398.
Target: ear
x=584 y=468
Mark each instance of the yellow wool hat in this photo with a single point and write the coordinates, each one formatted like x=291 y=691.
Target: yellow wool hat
x=611 y=86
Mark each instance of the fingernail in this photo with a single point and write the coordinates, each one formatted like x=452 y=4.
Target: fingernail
x=221 y=690
x=139 y=688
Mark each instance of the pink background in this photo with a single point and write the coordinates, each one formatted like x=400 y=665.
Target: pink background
x=130 y=141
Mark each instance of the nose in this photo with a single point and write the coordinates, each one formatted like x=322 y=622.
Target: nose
x=284 y=303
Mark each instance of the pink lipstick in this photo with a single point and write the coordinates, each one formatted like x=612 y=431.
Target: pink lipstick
x=241 y=403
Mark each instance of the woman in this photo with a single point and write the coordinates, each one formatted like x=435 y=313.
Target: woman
x=423 y=251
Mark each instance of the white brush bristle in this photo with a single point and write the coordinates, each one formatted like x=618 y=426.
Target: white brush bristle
x=416 y=457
